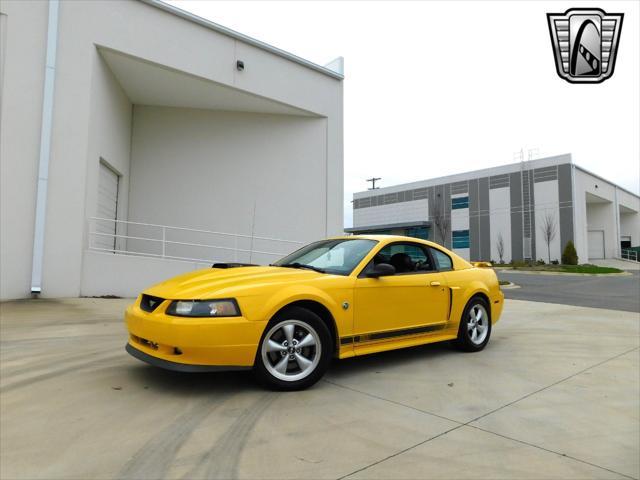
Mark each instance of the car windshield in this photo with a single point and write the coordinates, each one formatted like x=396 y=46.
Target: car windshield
x=337 y=257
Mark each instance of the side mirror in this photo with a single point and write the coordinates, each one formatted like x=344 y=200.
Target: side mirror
x=382 y=270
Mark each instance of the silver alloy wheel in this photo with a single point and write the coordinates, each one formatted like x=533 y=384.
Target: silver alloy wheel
x=291 y=350
x=478 y=324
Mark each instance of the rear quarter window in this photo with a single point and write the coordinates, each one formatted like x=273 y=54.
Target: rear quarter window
x=443 y=261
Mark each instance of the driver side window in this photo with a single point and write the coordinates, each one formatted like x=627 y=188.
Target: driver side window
x=406 y=258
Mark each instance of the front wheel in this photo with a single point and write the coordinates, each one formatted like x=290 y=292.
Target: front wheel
x=475 y=326
x=295 y=350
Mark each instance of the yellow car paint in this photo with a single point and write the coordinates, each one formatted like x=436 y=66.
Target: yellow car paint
x=422 y=308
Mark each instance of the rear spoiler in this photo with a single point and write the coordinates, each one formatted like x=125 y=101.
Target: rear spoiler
x=482 y=264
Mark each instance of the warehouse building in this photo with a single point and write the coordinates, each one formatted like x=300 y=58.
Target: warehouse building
x=523 y=211
x=139 y=141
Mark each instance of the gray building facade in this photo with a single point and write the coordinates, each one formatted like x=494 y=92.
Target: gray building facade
x=522 y=211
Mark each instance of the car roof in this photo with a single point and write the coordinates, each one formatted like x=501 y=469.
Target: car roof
x=386 y=238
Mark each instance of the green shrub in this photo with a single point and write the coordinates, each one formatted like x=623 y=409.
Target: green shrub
x=588 y=269
x=569 y=255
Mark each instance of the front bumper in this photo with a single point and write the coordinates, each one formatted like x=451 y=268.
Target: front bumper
x=178 y=367
x=167 y=341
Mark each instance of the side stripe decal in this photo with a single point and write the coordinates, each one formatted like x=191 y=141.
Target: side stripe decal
x=390 y=334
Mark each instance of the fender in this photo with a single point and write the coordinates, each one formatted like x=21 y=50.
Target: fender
x=473 y=288
x=295 y=293
x=263 y=307
x=462 y=297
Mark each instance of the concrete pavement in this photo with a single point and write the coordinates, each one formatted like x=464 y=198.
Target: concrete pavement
x=616 y=263
x=554 y=395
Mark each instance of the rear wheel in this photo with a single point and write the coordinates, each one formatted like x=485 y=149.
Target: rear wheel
x=475 y=326
x=295 y=350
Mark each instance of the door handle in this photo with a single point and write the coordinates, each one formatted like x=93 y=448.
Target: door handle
x=435 y=284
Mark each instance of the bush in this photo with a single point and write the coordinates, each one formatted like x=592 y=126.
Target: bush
x=569 y=255
x=540 y=262
x=555 y=262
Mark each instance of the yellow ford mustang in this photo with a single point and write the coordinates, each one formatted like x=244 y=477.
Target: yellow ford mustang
x=340 y=297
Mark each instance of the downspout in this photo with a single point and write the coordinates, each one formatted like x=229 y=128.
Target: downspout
x=45 y=148
x=574 y=205
x=617 y=251
x=522 y=207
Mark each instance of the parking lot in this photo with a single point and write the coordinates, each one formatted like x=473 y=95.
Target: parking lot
x=554 y=395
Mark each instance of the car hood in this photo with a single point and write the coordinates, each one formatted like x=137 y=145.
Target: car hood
x=218 y=282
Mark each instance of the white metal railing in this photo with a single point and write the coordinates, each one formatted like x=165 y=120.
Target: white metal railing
x=180 y=243
x=629 y=255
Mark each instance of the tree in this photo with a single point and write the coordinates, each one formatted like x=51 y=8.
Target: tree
x=441 y=220
x=500 y=247
x=569 y=255
x=549 y=229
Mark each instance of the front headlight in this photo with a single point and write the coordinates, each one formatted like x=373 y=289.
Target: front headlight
x=204 y=308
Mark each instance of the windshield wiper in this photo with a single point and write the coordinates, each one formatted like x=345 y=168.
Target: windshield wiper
x=302 y=265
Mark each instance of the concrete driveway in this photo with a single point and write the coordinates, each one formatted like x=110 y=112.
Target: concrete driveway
x=555 y=395
x=616 y=263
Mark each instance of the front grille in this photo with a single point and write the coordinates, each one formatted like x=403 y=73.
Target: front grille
x=147 y=343
x=149 y=303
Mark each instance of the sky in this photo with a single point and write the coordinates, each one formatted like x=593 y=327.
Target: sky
x=436 y=88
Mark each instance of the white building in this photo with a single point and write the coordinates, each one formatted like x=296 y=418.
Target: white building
x=474 y=212
x=150 y=118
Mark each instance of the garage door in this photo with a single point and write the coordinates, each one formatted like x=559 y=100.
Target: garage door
x=595 y=240
x=107 y=208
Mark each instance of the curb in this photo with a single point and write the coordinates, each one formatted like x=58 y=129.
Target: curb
x=573 y=274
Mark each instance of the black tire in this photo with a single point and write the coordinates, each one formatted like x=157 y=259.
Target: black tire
x=305 y=322
x=465 y=340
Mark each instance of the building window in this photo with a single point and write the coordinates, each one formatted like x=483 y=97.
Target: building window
x=460 y=202
x=374 y=232
x=417 y=232
x=460 y=238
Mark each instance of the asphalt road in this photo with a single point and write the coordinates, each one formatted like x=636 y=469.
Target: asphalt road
x=610 y=292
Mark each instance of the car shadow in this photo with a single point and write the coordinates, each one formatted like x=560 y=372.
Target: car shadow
x=192 y=384
x=375 y=362
x=196 y=384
